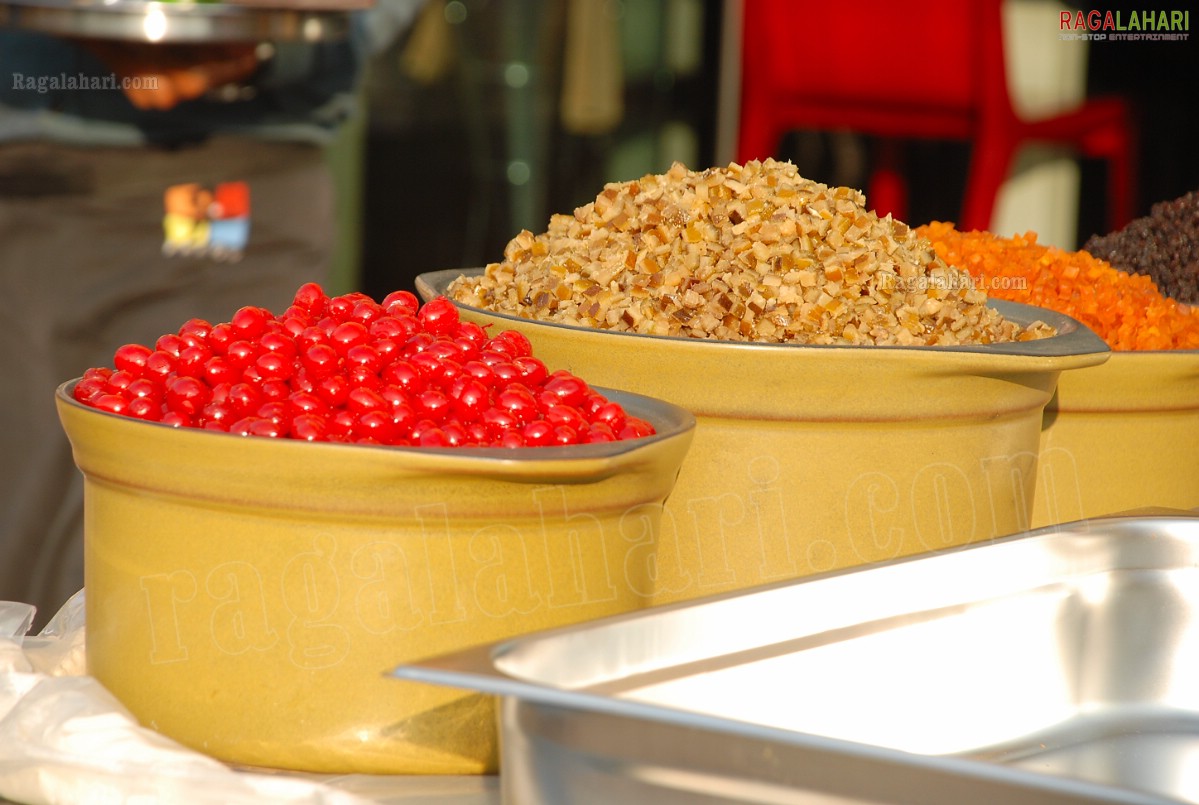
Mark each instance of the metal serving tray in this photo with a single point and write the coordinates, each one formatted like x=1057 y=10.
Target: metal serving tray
x=184 y=22
x=1057 y=666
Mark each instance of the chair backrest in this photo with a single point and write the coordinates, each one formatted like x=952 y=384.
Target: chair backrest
x=900 y=57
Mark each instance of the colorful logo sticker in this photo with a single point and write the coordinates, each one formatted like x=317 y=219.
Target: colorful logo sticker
x=210 y=223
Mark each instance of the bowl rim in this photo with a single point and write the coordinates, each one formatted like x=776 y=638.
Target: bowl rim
x=669 y=420
x=1073 y=338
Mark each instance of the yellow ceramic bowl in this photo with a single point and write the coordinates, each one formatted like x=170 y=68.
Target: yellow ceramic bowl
x=814 y=458
x=1121 y=436
x=245 y=596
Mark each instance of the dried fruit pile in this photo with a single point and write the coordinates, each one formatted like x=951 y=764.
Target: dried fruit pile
x=1125 y=310
x=1163 y=245
x=348 y=369
x=751 y=252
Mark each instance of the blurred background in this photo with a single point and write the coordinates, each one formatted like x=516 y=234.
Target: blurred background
x=489 y=116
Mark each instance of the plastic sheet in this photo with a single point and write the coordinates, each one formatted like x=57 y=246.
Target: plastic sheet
x=65 y=739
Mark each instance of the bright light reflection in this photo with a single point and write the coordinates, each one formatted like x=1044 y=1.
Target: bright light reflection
x=154 y=25
x=954 y=684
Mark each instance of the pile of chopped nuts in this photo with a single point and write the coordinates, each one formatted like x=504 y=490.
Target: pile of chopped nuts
x=751 y=252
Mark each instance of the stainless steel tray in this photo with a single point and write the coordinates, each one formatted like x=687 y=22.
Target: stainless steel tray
x=181 y=22
x=1058 y=666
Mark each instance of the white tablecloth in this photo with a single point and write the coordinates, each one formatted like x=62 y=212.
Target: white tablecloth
x=65 y=739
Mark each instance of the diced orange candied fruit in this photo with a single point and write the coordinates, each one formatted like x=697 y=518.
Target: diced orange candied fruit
x=1125 y=310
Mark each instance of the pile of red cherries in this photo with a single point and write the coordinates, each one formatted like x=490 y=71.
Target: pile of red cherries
x=350 y=369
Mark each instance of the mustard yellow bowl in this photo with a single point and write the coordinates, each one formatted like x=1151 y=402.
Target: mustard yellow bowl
x=1121 y=436
x=814 y=458
x=246 y=595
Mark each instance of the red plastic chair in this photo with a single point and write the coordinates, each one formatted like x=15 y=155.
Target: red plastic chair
x=912 y=70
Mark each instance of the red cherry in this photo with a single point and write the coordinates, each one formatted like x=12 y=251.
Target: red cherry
x=311 y=298
x=159 y=364
x=518 y=402
x=363 y=376
x=506 y=373
x=340 y=307
x=470 y=398
x=439 y=316
x=309 y=337
x=499 y=421
x=433 y=404
x=454 y=434
x=218 y=412
x=309 y=428
x=143 y=408
x=320 y=361
x=193 y=360
x=348 y=334
x=144 y=388
x=250 y=322
x=417 y=343
x=401 y=301
x=565 y=435
x=480 y=371
x=333 y=389
x=635 y=428
x=274 y=410
x=473 y=333
x=278 y=342
x=218 y=370
x=340 y=426
x=244 y=398
x=569 y=389
x=538 y=434
x=511 y=439
x=268 y=428
x=366 y=311
x=195 y=332
x=567 y=416
x=348 y=369
x=404 y=375
x=405 y=418
x=610 y=414
x=241 y=353
x=220 y=337
x=377 y=425
x=176 y=419
x=359 y=400
x=274 y=388
x=511 y=343
x=365 y=356
x=187 y=396
x=532 y=371
x=599 y=432
x=306 y=402
x=274 y=365
x=119 y=380
x=131 y=358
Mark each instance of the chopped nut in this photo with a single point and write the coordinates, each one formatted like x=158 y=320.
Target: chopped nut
x=748 y=252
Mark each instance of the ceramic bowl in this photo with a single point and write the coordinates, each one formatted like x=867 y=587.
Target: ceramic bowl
x=815 y=458
x=1121 y=436
x=245 y=596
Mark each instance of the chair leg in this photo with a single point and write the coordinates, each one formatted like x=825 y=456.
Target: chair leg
x=888 y=192
x=758 y=137
x=989 y=165
x=1121 y=185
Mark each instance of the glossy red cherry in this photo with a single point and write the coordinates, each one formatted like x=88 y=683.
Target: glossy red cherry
x=131 y=358
x=348 y=369
x=439 y=316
